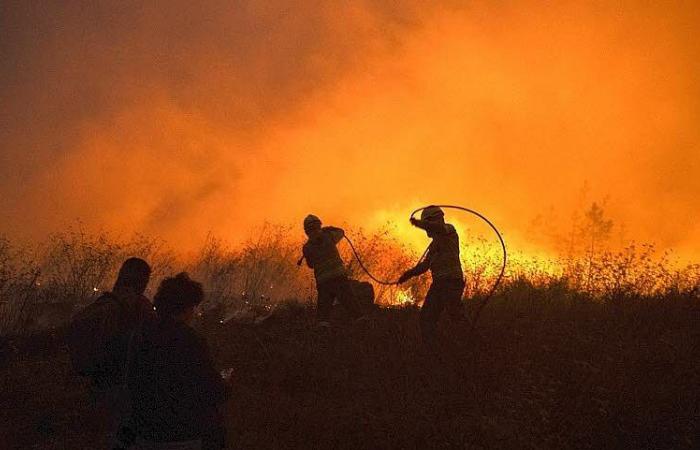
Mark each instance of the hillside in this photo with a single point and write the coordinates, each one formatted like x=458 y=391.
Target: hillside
x=545 y=369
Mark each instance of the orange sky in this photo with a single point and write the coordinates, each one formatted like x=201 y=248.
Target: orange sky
x=217 y=116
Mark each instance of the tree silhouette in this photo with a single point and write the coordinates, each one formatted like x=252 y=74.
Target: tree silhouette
x=594 y=230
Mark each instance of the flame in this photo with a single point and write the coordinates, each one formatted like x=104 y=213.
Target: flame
x=404 y=297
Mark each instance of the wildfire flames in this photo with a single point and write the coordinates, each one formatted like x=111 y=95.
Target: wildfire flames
x=404 y=297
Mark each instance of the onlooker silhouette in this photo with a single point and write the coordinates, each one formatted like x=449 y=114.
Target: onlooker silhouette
x=175 y=389
x=98 y=339
x=332 y=282
x=443 y=261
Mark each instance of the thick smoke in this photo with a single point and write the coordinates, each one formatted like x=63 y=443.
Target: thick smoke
x=190 y=117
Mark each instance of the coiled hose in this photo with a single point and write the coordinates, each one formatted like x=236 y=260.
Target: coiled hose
x=461 y=208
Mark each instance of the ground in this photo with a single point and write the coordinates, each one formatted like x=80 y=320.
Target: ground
x=536 y=373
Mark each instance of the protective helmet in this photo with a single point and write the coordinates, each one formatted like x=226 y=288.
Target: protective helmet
x=311 y=222
x=432 y=213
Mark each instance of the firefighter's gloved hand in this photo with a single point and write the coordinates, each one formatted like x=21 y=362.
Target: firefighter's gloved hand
x=414 y=221
x=405 y=277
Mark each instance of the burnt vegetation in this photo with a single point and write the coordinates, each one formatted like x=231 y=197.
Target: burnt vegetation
x=601 y=352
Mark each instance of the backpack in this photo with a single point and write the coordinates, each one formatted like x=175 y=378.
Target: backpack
x=93 y=337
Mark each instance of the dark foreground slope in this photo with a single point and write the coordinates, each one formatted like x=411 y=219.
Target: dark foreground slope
x=542 y=372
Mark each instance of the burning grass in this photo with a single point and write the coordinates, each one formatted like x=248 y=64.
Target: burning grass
x=41 y=287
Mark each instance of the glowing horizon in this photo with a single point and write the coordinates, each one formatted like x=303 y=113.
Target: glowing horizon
x=220 y=118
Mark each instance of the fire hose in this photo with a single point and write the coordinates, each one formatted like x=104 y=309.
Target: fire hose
x=491 y=291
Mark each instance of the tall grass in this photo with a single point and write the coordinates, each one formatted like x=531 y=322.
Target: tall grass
x=18 y=286
x=257 y=275
x=43 y=286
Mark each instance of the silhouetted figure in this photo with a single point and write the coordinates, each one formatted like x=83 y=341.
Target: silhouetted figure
x=175 y=389
x=99 y=336
x=443 y=261
x=332 y=282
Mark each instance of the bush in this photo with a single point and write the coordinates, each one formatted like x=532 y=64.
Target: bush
x=42 y=287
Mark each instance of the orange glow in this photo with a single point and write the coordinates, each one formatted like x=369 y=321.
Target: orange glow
x=360 y=114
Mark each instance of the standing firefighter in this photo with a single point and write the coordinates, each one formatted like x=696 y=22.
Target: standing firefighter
x=332 y=282
x=443 y=261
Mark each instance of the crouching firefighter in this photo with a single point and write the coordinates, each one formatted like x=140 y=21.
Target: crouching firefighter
x=443 y=260
x=332 y=282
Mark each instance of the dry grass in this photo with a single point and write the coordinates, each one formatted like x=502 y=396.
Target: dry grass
x=601 y=353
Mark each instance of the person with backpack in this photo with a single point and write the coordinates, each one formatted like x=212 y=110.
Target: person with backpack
x=442 y=259
x=98 y=340
x=175 y=390
x=321 y=254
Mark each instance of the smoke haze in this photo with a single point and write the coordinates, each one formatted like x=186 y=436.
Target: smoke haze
x=185 y=118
